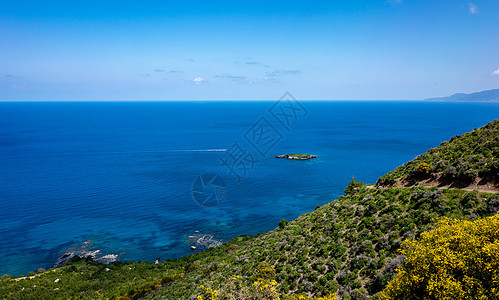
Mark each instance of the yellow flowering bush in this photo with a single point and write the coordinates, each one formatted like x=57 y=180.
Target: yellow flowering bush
x=207 y=293
x=265 y=289
x=265 y=271
x=423 y=168
x=459 y=259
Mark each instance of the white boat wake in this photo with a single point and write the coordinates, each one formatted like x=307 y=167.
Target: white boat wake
x=200 y=150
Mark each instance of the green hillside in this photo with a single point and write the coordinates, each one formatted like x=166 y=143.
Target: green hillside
x=468 y=160
x=347 y=249
x=348 y=246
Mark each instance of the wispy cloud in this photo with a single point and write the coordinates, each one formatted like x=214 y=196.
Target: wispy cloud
x=159 y=70
x=198 y=80
x=395 y=1
x=174 y=71
x=496 y=72
x=281 y=72
x=473 y=8
x=9 y=76
x=232 y=77
x=252 y=63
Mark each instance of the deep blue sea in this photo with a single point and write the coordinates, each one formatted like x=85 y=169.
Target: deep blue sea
x=121 y=174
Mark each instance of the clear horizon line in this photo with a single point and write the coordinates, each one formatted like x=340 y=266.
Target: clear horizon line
x=246 y=101
x=214 y=100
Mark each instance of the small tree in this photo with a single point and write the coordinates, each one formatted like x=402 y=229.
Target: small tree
x=283 y=223
x=352 y=185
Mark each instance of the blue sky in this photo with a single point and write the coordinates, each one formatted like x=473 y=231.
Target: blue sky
x=236 y=50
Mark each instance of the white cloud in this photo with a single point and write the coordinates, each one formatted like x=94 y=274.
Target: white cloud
x=496 y=72
x=473 y=8
x=198 y=80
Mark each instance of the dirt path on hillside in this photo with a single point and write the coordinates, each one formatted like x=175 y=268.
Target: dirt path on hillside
x=477 y=185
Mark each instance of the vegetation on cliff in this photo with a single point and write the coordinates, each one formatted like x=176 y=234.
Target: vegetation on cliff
x=347 y=249
x=464 y=160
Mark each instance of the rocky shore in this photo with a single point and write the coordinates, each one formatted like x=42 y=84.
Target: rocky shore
x=199 y=240
x=85 y=249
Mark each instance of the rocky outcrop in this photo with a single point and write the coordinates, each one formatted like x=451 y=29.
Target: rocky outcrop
x=205 y=241
x=85 y=249
x=296 y=156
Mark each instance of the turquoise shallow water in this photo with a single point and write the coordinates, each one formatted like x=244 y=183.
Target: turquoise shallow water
x=121 y=174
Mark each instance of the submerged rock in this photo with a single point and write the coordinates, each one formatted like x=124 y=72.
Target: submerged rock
x=203 y=240
x=85 y=250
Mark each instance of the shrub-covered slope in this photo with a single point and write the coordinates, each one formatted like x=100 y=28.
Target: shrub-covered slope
x=347 y=249
x=468 y=160
x=83 y=278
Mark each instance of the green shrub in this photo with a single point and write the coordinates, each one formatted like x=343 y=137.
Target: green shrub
x=353 y=185
x=282 y=223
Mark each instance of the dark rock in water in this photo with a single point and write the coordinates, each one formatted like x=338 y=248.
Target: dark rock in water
x=63 y=258
x=85 y=250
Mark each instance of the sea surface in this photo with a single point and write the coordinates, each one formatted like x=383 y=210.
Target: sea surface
x=124 y=176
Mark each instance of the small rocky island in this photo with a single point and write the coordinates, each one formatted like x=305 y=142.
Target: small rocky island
x=296 y=156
